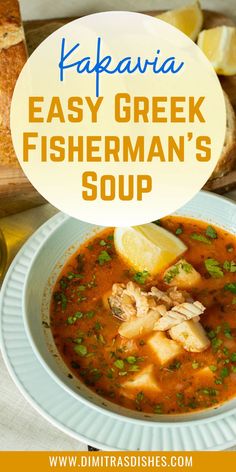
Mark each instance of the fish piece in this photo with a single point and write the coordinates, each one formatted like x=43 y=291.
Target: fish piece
x=121 y=304
x=164 y=348
x=178 y=314
x=143 y=381
x=139 y=326
x=128 y=301
x=182 y=275
x=140 y=298
x=191 y=336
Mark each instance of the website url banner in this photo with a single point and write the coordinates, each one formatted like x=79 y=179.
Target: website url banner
x=16 y=461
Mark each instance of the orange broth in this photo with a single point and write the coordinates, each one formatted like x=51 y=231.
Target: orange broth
x=86 y=333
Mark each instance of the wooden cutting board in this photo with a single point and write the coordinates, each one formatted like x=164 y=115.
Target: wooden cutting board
x=17 y=194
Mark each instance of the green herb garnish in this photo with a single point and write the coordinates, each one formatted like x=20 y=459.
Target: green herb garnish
x=72 y=275
x=72 y=319
x=103 y=257
x=81 y=288
x=213 y=268
x=212 y=392
x=158 y=409
x=141 y=277
x=119 y=363
x=175 y=270
x=81 y=350
x=211 y=232
x=139 y=397
x=229 y=266
x=90 y=314
x=231 y=287
x=134 y=368
x=200 y=237
x=179 y=230
x=174 y=366
x=195 y=365
x=224 y=372
x=131 y=359
x=216 y=343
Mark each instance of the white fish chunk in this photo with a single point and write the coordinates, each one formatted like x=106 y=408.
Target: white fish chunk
x=191 y=336
x=143 y=381
x=182 y=275
x=178 y=314
x=139 y=326
x=164 y=348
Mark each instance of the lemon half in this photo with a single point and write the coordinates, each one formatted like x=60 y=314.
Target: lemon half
x=188 y=19
x=219 y=45
x=148 y=247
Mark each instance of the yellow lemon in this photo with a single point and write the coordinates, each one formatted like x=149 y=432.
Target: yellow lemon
x=148 y=247
x=219 y=45
x=188 y=19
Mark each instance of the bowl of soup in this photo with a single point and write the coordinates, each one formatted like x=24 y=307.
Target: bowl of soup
x=145 y=347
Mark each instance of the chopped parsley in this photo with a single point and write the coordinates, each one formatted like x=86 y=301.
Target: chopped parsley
x=158 y=409
x=63 y=301
x=231 y=287
x=229 y=266
x=81 y=288
x=213 y=268
x=200 y=237
x=103 y=257
x=211 y=232
x=174 y=366
x=72 y=319
x=175 y=270
x=119 y=363
x=72 y=275
x=224 y=372
x=110 y=373
x=139 y=397
x=195 y=365
x=134 y=368
x=227 y=331
x=179 y=230
x=63 y=283
x=101 y=339
x=233 y=357
x=131 y=359
x=212 y=392
x=213 y=368
x=141 y=277
x=216 y=343
x=90 y=314
x=96 y=373
x=81 y=350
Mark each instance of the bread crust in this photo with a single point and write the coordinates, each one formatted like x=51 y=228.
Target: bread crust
x=227 y=160
x=12 y=58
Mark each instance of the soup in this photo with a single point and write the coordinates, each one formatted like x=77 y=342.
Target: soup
x=151 y=370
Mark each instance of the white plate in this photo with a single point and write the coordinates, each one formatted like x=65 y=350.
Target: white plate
x=69 y=413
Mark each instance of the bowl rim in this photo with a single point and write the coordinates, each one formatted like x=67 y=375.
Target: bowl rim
x=102 y=409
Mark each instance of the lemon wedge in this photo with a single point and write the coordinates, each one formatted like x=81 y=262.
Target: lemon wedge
x=219 y=45
x=188 y=19
x=148 y=247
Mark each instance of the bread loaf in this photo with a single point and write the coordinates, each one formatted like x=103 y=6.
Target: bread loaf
x=227 y=160
x=12 y=58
